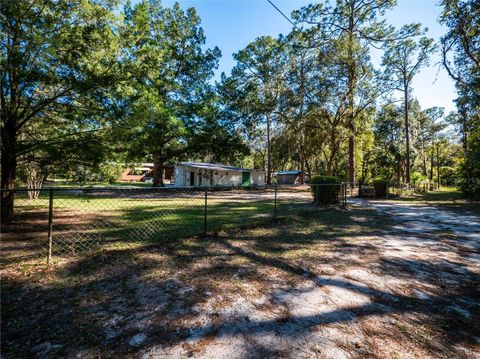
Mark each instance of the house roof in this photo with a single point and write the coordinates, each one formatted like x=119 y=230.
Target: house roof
x=297 y=172
x=215 y=166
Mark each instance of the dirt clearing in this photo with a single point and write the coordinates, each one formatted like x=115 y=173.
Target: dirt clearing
x=382 y=280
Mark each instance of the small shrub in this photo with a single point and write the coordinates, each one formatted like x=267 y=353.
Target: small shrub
x=325 y=189
x=381 y=186
x=471 y=189
x=449 y=176
x=417 y=177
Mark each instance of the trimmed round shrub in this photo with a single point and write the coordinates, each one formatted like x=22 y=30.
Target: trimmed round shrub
x=325 y=189
x=381 y=186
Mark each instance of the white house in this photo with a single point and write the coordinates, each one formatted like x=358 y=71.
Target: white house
x=198 y=174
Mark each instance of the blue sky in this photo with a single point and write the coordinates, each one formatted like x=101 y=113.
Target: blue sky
x=233 y=24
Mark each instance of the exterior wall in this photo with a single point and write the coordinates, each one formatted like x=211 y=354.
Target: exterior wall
x=126 y=177
x=287 y=179
x=258 y=178
x=179 y=174
x=213 y=177
x=227 y=178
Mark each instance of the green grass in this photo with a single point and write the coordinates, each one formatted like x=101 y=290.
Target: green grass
x=70 y=184
x=146 y=218
x=449 y=197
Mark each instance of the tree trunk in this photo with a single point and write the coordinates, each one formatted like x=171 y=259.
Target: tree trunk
x=351 y=93
x=438 y=167
x=424 y=171
x=302 y=160
x=9 y=169
x=407 y=137
x=431 y=170
x=157 y=170
x=34 y=180
x=351 y=159
x=330 y=167
x=302 y=169
x=307 y=165
x=269 y=161
x=399 y=172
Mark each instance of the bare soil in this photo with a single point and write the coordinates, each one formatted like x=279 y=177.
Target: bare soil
x=382 y=279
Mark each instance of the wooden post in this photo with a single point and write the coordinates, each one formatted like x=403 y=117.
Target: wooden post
x=50 y=226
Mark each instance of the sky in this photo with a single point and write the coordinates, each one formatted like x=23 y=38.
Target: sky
x=233 y=24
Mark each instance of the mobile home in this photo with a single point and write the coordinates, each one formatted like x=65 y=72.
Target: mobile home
x=199 y=174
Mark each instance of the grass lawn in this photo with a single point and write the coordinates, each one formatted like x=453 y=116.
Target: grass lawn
x=448 y=197
x=70 y=184
x=131 y=216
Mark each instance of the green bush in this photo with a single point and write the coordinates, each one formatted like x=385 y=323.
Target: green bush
x=417 y=177
x=449 y=176
x=381 y=186
x=471 y=189
x=325 y=189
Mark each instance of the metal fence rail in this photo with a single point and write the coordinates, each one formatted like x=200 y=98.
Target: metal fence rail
x=64 y=222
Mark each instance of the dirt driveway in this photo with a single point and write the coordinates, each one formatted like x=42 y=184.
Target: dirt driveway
x=383 y=279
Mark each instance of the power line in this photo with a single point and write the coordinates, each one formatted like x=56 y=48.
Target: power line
x=285 y=16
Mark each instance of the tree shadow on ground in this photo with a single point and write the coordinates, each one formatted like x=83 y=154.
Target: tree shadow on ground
x=95 y=305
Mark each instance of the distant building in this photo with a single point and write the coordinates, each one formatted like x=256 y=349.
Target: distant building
x=199 y=174
x=143 y=172
x=289 y=177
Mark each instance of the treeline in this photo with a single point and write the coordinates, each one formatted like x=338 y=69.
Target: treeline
x=85 y=86
x=313 y=99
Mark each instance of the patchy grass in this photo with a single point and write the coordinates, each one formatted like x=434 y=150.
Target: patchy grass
x=449 y=197
x=315 y=284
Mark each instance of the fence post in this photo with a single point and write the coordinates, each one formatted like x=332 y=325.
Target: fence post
x=205 y=213
x=345 y=195
x=50 y=226
x=275 y=203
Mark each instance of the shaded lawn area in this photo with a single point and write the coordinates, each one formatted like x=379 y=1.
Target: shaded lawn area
x=318 y=284
x=83 y=219
x=71 y=184
x=448 y=197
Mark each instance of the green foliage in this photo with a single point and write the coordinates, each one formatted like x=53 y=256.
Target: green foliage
x=325 y=189
x=109 y=172
x=103 y=172
x=449 y=176
x=58 y=63
x=471 y=188
x=172 y=108
x=418 y=177
x=461 y=59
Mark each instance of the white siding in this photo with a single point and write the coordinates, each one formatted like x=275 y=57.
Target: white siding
x=179 y=173
x=227 y=178
x=258 y=178
x=220 y=178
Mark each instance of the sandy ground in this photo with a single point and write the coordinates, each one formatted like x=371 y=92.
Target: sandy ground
x=393 y=280
x=358 y=296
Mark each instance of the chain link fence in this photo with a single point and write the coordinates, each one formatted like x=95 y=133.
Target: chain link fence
x=64 y=222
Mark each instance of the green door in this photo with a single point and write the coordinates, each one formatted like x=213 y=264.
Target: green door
x=246 y=181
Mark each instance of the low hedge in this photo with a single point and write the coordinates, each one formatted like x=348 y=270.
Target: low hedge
x=325 y=189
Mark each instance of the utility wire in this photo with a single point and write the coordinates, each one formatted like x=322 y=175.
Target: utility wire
x=285 y=16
